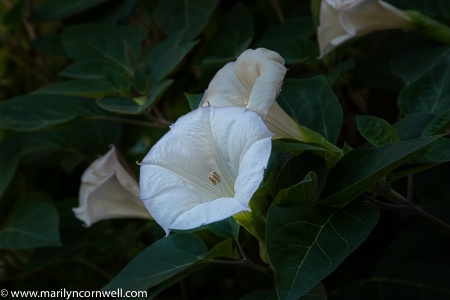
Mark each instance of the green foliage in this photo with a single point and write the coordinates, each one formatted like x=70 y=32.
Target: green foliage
x=160 y=261
x=306 y=242
x=34 y=226
x=79 y=76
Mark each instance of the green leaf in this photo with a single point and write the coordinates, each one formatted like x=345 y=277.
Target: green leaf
x=415 y=266
x=316 y=293
x=35 y=225
x=49 y=44
x=439 y=124
x=306 y=243
x=93 y=69
x=376 y=131
x=194 y=100
x=360 y=169
x=303 y=192
x=412 y=126
x=430 y=156
x=433 y=8
x=299 y=168
x=227 y=228
x=413 y=61
x=52 y=9
x=39 y=111
x=435 y=153
x=313 y=104
x=185 y=17
x=92 y=88
x=233 y=37
x=103 y=42
x=291 y=40
x=430 y=93
x=222 y=249
x=8 y=165
x=159 y=262
x=167 y=55
x=130 y=106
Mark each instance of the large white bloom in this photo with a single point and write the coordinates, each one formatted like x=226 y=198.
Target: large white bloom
x=108 y=191
x=206 y=168
x=342 y=20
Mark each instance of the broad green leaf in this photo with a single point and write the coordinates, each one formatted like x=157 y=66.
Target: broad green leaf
x=415 y=266
x=376 y=131
x=300 y=27
x=222 y=249
x=53 y=9
x=35 y=225
x=297 y=170
x=313 y=104
x=435 y=153
x=294 y=51
x=93 y=69
x=412 y=126
x=233 y=37
x=430 y=156
x=304 y=192
x=8 y=165
x=306 y=243
x=39 y=111
x=316 y=293
x=439 y=124
x=130 y=106
x=92 y=88
x=194 y=100
x=360 y=169
x=159 y=262
x=261 y=295
x=227 y=228
x=103 y=42
x=413 y=61
x=291 y=40
x=431 y=8
x=430 y=93
x=167 y=55
x=185 y=17
x=49 y=44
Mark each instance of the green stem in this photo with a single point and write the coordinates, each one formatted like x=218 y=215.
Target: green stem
x=429 y=27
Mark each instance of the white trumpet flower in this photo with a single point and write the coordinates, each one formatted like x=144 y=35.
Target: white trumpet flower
x=206 y=168
x=342 y=20
x=108 y=191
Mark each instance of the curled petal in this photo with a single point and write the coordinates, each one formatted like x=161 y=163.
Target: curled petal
x=108 y=191
x=253 y=81
x=206 y=168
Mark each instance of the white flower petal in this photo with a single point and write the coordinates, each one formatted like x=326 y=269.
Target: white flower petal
x=174 y=179
x=253 y=81
x=108 y=191
x=342 y=20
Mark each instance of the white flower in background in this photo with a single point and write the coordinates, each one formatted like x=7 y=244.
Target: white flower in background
x=253 y=82
x=206 y=168
x=342 y=20
x=108 y=191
